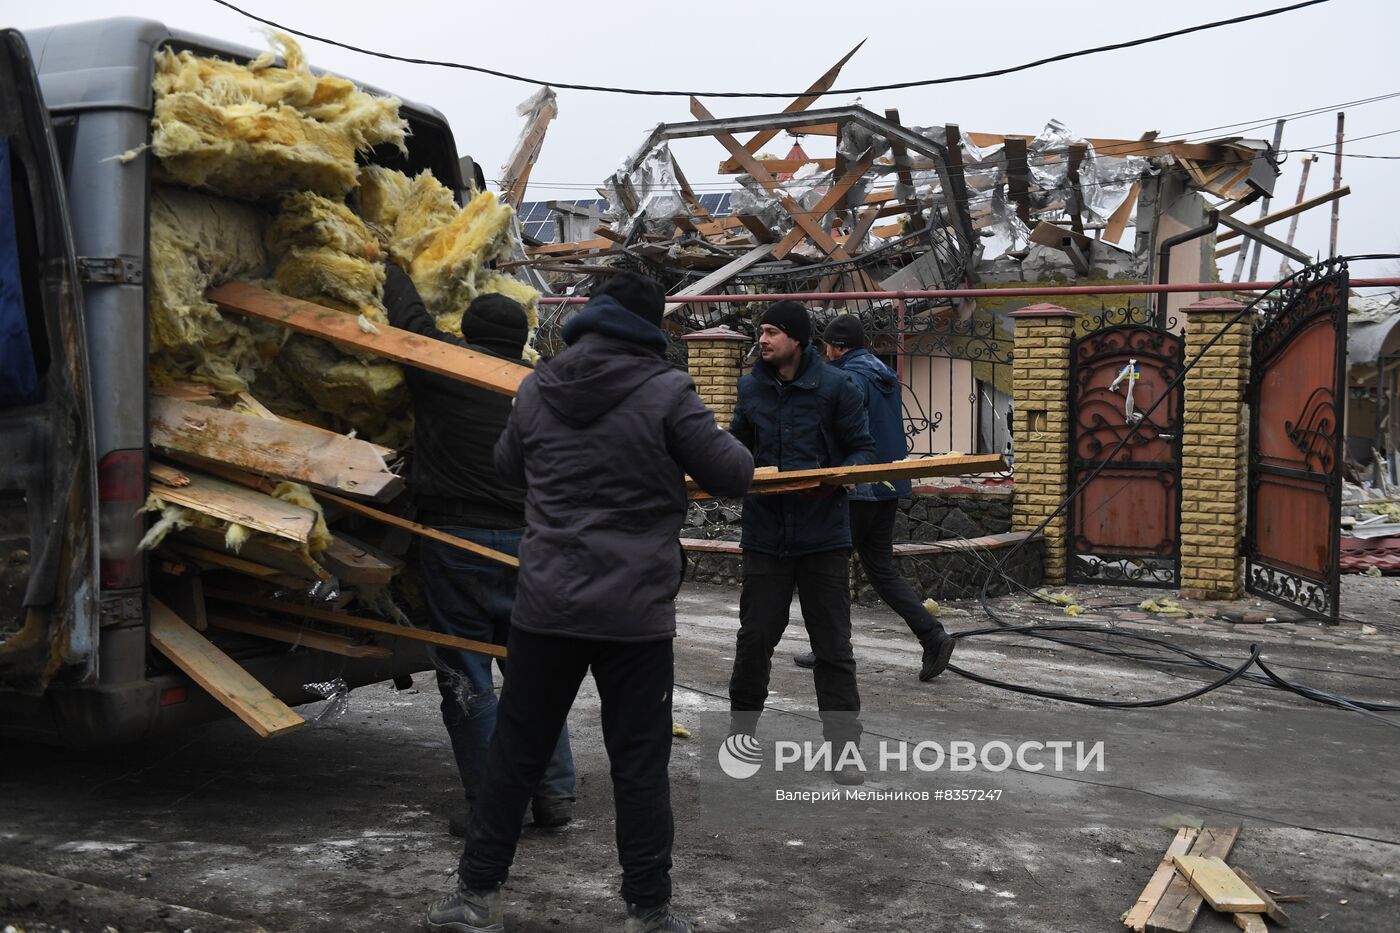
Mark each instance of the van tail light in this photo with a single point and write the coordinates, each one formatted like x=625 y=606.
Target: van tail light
x=121 y=492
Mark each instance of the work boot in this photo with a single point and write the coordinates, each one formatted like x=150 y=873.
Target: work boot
x=805 y=661
x=654 y=920
x=467 y=911
x=552 y=812
x=937 y=653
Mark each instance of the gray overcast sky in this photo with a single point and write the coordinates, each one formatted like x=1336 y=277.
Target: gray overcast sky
x=1317 y=57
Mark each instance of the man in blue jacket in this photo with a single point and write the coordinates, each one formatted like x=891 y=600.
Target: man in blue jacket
x=601 y=437
x=796 y=413
x=873 y=505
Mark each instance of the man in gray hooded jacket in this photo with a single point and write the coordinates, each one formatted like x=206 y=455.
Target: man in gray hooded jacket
x=601 y=436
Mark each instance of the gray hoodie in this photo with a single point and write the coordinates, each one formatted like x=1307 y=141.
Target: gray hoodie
x=602 y=437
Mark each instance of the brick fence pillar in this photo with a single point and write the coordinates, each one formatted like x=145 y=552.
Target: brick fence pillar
x=716 y=360
x=1214 y=455
x=1040 y=390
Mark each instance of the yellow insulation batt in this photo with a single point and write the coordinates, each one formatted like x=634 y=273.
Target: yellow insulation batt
x=446 y=249
x=198 y=241
x=256 y=130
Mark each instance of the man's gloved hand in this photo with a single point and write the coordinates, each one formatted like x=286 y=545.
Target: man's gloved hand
x=819 y=491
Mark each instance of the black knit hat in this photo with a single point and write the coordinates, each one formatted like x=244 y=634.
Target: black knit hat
x=844 y=332
x=637 y=294
x=791 y=318
x=496 y=321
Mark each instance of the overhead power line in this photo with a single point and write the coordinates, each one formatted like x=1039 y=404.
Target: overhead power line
x=926 y=82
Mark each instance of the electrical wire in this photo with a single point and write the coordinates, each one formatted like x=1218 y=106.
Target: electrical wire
x=927 y=82
x=1042 y=630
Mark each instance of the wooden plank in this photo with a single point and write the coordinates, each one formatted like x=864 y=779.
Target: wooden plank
x=422 y=531
x=219 y=674
x=391 y=343
x=770 y=184
x=780 y=166
x=828 y=201
x=1215 y=882
x=299 y=636
x=241 y=506
x=956 y=194
x=197 y=392
x=225 y=560
x=166 y=475
x=356 y=563
x=1177 y=910
x=1136 y=917
x=262 y=411
x=918 y=468
x=1271 y=908
x=367 y=625
x=1250 y=923
x=1077 y=152
x=551 y=249
x=757 y=227
x=1291 y=211
x=814 y=93
x=284 y=556
x=276 y=448
x=721 y=275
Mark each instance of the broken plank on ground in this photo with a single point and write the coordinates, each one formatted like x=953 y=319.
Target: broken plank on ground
x=240 y=506
x=355 y=622
x=1220 y=887
x=391 y=343
x=1177 y=909
x=224 y=679
x=1271 y=908
x=278 y=448
x=1136 y=917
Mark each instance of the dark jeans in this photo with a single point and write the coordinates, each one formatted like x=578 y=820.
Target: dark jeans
x=823 y=589
x=872 y=532
x=472 y=597
x=634 y=684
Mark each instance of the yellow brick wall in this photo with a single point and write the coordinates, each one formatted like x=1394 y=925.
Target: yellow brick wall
x=1214 y=455
x=1040 y=383
x=716 y=366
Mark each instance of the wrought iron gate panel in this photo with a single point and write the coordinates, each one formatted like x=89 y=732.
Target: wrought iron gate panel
x=1295 y=442
x=1124 y=526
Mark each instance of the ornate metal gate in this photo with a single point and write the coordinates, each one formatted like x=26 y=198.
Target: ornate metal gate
x=1124 y=526
x=1295 y=442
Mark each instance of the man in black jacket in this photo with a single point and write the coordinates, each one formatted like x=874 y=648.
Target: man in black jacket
x=796 y=413
x=601 y=436
x=458 y=491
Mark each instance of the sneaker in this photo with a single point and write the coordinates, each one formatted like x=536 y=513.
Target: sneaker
x=936 y=657
x=552 y=812
x=805 y=661
x=654 y=920
x=466 y=911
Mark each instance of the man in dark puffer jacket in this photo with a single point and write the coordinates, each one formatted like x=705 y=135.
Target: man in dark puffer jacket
x=602 y=437
x=796 y=413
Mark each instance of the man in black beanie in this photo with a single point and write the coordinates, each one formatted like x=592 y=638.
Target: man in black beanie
x=601 y=436
x=458 y=491
x=796 y=413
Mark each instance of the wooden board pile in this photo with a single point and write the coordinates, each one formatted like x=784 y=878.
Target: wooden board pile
x=1193 y=872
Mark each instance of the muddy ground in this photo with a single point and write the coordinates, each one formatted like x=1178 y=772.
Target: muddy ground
x=341 y=826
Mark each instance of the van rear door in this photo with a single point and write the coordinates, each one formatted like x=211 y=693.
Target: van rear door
x=48 y=487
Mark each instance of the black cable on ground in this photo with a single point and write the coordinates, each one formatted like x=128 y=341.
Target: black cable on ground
x=1041 y=631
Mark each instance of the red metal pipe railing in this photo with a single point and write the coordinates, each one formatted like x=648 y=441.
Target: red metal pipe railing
x=1044 y=291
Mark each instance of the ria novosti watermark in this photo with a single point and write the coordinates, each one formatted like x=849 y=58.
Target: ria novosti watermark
x=742 y=756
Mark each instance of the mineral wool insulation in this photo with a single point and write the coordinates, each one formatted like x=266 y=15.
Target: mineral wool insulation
x=258 y=182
